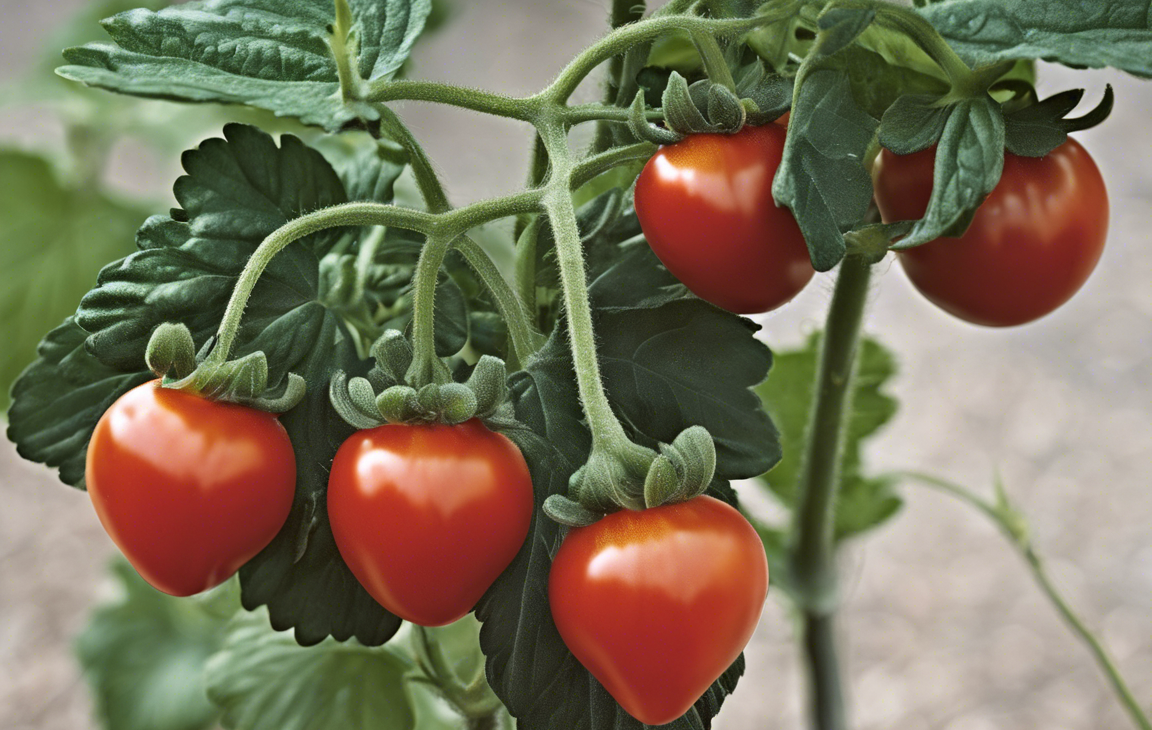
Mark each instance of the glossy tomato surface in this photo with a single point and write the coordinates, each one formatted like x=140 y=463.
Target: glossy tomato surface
x=657 y=604
x=1031 y=246
x=705 y=206
x=189 y=489
x=428 y=516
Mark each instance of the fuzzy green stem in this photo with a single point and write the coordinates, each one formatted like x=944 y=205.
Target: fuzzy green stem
x=623 y=12
x=813 y=552
x=596 y=165
x=1012 y=528
x=338 y=43
x=827 y=700
x=714 y=63
x=524 y=338
x=621 y=39
x=424 y=369
x=606 y=429
x=478 y=100
x=351 y=214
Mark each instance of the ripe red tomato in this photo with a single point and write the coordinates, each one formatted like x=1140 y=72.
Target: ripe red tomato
x=705 y=205
x=428 y=516
x=657 y=604
x=1031 y=246
x=189 y=489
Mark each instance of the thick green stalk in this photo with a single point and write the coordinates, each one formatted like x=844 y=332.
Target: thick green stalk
x=524 y=339
x=827 y=694
x=606 y=429
x=813 y=552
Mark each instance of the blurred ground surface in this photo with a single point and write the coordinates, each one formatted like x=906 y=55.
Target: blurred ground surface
x=943 y=628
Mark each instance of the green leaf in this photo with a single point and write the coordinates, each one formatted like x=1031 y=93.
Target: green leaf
x=144 y=656
x=237 y=191
x=913 y=123
x=821 y=177
x=264 y=680
x=56 y=238
x=969 y=160
x=670 y=361
x=862 y=502
x=270 y=54
x=60 y=397
x=1116 y=33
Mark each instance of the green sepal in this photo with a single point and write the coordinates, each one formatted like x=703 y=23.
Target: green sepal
x=399 y=404
x=1036 y=130
x=683 y=470
x=643 y=130
x=613 y=477
x=564 y=511
x=969 y=161
x=680 y=109
x=171 y=352
x=348 y=400
x=387 y=395
x=764 y=95
x=489 y=383
x=243 y=381
x=393 y=355
x=913 y=123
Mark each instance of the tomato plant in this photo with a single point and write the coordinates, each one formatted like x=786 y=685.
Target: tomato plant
x=705 y=206
x=638 y=597
x=427 y=517
x=188 y=489
x=1031 y=245
x=524 y=415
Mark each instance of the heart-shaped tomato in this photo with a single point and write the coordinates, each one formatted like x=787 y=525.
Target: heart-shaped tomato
x=189 y=489
x=658 y=603
x=428 y=516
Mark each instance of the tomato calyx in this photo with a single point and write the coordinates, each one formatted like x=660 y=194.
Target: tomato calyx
x=629 y=476
x=387 y=395
x=171 y=356
x=759 y=97
x=1039 y=127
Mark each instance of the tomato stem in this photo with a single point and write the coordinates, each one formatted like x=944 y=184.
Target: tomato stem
x=516 y=314
x=569 y=252
x=813 y=556
x=715 y=66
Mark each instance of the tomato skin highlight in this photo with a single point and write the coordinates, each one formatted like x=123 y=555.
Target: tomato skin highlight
x=1031 y=246
x=706 y=208
x=428 y=516
x=657 y=604
x=189 y=489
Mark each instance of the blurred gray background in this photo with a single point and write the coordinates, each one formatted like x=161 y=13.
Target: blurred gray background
x=944 y=630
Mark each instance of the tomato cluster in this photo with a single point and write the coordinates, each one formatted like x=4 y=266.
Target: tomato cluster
x=657 y=603
x=706 y=208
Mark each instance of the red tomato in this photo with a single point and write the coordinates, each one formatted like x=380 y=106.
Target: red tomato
x=705 y=205
x=189 y=489
x=427 y=517
x=657 y=604
x=1031 y=246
